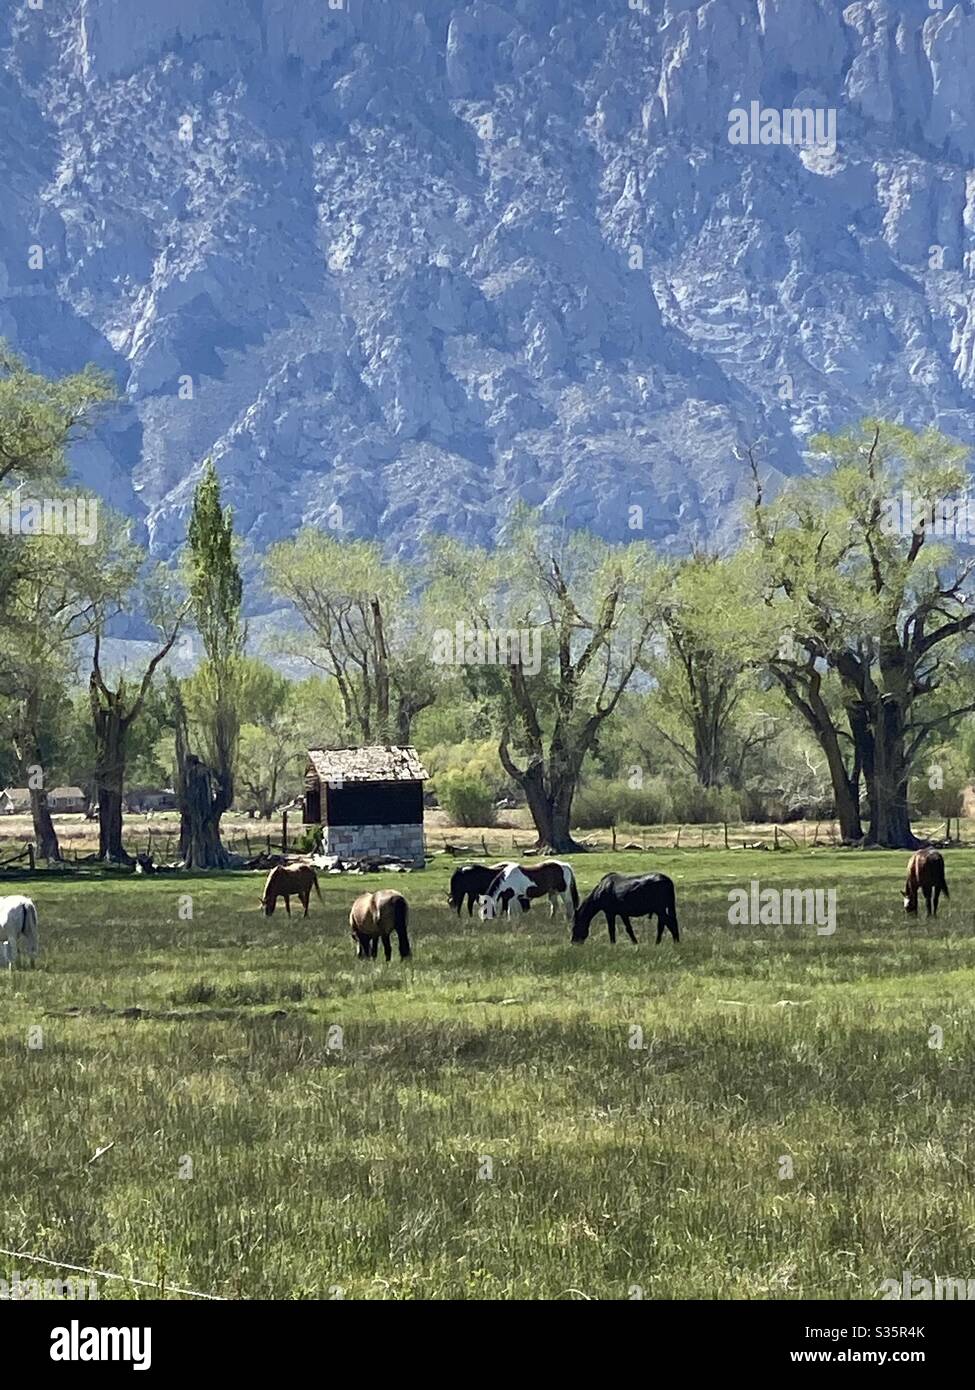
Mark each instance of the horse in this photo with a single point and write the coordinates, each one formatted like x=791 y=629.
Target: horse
x=18 y=930
x=471 y=881
x=522 y=884
x=626 y=896
x=285 y=880
x=376 y=915
x=925 y=871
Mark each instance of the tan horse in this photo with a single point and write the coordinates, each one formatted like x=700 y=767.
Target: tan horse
x=375 y=916
x=283 y=881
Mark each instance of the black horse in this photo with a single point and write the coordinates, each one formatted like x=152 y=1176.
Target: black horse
x=626 y=896
x=471 y=881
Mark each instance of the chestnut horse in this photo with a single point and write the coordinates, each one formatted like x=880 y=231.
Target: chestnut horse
x=285 y=880
x=926 y=871
x=375 y=916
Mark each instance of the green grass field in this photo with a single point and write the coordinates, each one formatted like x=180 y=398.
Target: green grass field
x=484 y=1121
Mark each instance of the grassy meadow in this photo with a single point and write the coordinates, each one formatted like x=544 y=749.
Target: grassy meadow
x=275 y=1119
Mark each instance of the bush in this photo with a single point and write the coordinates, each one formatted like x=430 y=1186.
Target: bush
x=311 y=839
x=603 y=802
x=467 y=798
x=696 y=805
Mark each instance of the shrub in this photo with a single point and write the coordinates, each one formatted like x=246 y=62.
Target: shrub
x=604 y=801
x=467 y=798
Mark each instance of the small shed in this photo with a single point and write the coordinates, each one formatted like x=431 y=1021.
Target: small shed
x=367 y=801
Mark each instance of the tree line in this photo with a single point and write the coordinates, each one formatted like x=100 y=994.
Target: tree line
x=827 y=638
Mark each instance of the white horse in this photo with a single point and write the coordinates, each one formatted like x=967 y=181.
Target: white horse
x=521 y=884
x=18 y=930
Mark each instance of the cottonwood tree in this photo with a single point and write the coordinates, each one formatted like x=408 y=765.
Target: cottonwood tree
x=64 y=592
x=205 y=778
x=114 y=710
x=704 y=671
x=364 y=634
x=39 y=419
x=874 y=608
x=592 y=608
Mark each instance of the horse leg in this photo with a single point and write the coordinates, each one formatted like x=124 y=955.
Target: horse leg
x=611 y=923
x=305 y=896
x=937 y=897
x=927 y=899
x=387 y=946
x=287 y=904
x=629 y=929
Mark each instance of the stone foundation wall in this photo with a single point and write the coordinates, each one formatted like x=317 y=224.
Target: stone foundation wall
x=356 y=841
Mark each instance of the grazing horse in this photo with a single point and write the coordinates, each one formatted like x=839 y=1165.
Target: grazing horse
x=471 y=881
x=285 y=880
x=926 y=871
x=626 y=896
x=376 y=915
x=18 y=930
x=520 y=884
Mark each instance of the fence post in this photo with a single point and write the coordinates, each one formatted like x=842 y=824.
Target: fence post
x=284 y=831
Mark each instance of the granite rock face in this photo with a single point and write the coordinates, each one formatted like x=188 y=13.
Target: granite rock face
x=398 y=266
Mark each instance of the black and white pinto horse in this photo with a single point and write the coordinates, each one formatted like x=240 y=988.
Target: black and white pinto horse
x=626 y=896
x=470 y=882
x=18 y=930
x=518 y=884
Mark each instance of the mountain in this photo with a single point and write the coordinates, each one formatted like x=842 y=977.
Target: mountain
x=398 y=266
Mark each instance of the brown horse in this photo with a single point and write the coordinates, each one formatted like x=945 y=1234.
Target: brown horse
x=375 y=916
x=285 y=880
x=925 y=872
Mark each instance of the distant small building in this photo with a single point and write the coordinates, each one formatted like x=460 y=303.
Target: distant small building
x=66 y=801
x=367 y=801
x=14 y=801
x=139 y=800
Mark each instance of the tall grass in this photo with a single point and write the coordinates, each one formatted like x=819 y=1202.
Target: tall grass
x=488 y=1122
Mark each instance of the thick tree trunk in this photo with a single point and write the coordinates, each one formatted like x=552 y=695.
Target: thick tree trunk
x=110 y=846
x=48 y=846
x=887 y=780
x=203 y=848
x=551 y=813
x=111 y=731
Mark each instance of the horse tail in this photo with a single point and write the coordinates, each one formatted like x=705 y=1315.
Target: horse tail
x=401 y=916
x=573 y=890
x=30 y=929
x=944 y=881
x=672 y=909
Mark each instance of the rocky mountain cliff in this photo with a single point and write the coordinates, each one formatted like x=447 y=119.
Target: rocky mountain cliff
x=397 y=265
